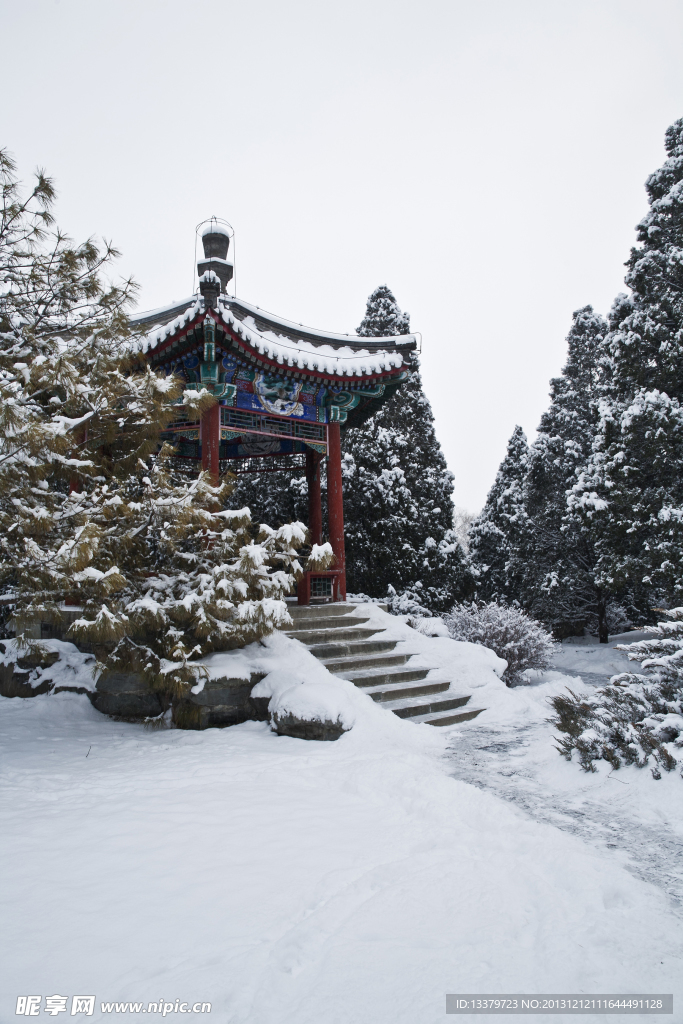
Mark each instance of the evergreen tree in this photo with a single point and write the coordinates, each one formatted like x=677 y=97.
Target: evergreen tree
x=560 y=584
x=89 y=510
x=397 y=490
x=275 y=497
x=498 y=536
x=383 y=318
x=631 y=493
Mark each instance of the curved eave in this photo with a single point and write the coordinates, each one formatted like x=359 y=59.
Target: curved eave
x=164 y=314
x=259 y=350
x=297 y=332
x=287 y=330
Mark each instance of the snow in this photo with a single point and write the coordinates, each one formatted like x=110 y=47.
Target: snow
x=357 y=880
x=289 y=325
x=329 y=359
x=508 y=750
x=214 y=228
x=469 y=667
x=298 y=683
x=336 y=358
x=593 y=661
x=159 y=334
x=72 y=668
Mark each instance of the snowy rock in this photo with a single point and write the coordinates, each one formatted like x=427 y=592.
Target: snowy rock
x=313 y=711
x=53 y=667
x=308 y=708
x=217 y=702
x=126 y=695
x=307 y=729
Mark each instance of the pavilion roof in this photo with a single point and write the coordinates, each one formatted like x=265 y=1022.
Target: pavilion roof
x=279 y=341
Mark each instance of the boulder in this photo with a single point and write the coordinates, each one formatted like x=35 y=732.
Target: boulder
x=220 y=702
x=305 y=729
x=14 y=682
x=126 y=695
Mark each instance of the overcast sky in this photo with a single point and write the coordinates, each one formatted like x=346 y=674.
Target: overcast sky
x=484 y=159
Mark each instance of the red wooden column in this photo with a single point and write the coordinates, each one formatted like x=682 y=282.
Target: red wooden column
x=335 y=502
x=315 y=512
x=211 y=431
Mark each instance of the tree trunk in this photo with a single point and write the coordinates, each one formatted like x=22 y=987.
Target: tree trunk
x=603 y=632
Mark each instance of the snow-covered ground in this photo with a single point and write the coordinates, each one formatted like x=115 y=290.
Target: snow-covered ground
x=355 y=881
x=507 y=751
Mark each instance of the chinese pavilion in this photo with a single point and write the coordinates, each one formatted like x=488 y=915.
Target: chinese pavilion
x=284 y=392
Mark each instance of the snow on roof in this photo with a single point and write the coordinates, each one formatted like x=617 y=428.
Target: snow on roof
x=328 y=359
x=162 y=313
x=293 y=345
x=398 y=341
x=159 y=334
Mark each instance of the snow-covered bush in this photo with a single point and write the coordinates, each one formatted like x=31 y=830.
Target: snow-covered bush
x=511 y=634
x=406 y=603
x=636 y=717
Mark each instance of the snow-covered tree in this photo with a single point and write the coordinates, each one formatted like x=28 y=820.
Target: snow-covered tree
x=499 y=535
x=631 y=492
x=560 y=584
x=193 y=577
x=462 y=523
x=69 y=409
x=275 y=497
x=89 y=510
x=637 y=717
x=398 y=503
x=383 y=318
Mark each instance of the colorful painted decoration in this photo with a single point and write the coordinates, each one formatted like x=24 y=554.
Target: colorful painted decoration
x=277 y=395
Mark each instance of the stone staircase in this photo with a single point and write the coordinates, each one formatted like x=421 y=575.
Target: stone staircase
x=338 y=636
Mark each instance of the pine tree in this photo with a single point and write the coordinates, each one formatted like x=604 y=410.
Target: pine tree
x=498 y=536
x=631 y=493
x=69 y=410
x=638 y=716
x=398 y=490
x=192 y=575
x=89 y=509
x=559 y=584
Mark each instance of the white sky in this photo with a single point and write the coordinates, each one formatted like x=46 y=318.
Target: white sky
x=484 y=159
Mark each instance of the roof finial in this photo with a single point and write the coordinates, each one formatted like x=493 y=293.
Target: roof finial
x=215 y=270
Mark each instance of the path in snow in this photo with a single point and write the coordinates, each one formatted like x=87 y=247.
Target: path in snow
x=513 y=756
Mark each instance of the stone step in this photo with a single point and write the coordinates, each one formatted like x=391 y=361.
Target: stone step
x=400 y=691
x=304 y=611
x=336 y=635
x=351 y=649
x=412 y=707
x=338 y=665
x=328 y=636
x=380 y=678
x=328 y=622
x=448 y=718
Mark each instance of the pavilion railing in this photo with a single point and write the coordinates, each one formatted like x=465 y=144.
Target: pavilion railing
x=264 y=464
x=272 y=426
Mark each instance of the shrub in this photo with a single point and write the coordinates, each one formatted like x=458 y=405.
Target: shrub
x=637 y=717
x=511 y=634
x=406 y=603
